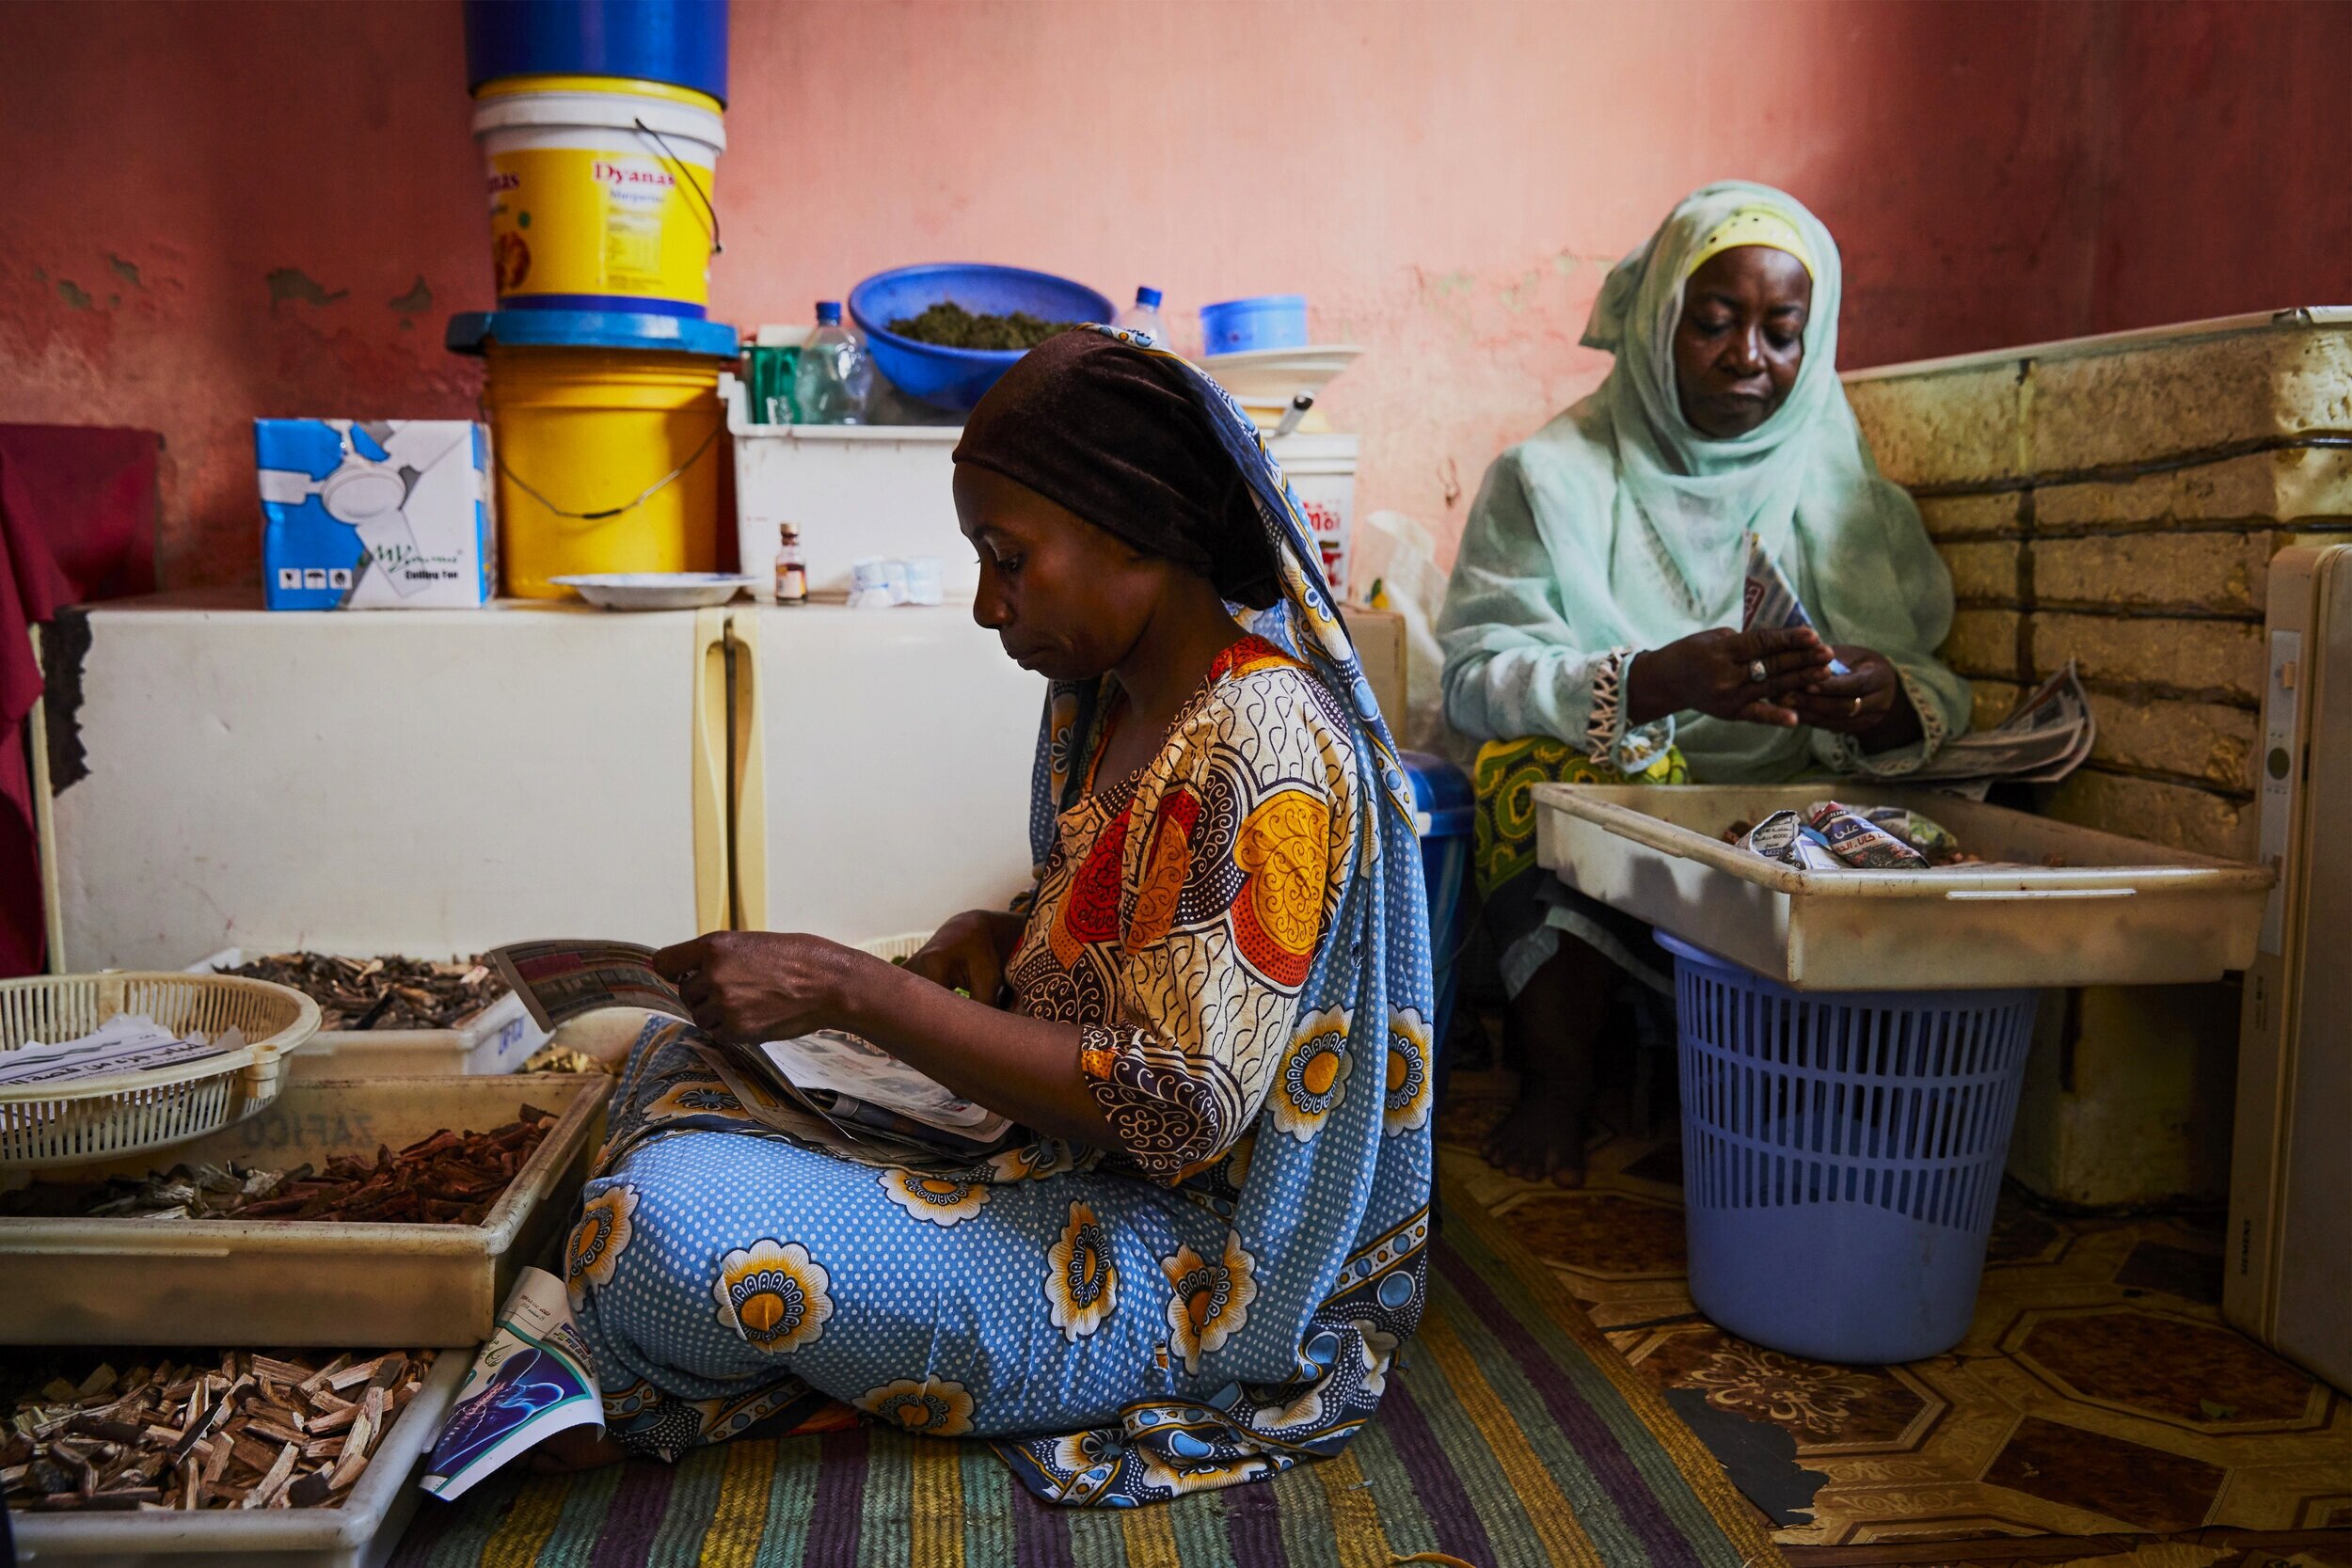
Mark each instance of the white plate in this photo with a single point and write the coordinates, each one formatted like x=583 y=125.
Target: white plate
x=1270 y=377
x=655 y=590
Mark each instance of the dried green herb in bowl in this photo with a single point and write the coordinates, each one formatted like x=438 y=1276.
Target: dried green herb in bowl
x=951 y=325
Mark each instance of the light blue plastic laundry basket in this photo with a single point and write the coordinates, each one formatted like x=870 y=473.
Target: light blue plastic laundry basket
x=1841 y=1155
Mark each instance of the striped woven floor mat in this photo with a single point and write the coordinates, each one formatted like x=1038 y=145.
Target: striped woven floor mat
x=1514 y=1438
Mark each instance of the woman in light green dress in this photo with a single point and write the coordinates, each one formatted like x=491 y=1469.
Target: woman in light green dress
x=1592 y=627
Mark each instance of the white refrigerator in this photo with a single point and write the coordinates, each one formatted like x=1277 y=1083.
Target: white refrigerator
x=434 y=783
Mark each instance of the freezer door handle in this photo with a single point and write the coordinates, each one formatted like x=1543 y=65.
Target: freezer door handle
x=713 y=699
x=747 y=786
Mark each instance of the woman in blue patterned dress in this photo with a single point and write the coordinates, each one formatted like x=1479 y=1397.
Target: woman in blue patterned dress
x=1214 y=1022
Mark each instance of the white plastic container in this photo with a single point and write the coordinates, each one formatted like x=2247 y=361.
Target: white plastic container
x=498 y=1038
x=1322 y=474
x=2117 y=911
x=309 y=1282
x=855 y=491
x=362 y=1532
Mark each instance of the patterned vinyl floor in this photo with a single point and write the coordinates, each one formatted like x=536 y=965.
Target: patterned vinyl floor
x=2098 y=1395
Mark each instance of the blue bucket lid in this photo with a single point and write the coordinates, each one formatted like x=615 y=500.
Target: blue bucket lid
x=472 y=330
x=683 y=42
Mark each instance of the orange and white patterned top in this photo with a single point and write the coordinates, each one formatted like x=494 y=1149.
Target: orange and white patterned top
x=1180 y=910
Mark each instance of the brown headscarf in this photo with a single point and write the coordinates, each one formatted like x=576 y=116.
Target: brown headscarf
x=1109 y=432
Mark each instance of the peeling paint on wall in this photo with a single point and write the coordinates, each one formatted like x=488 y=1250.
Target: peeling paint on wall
x=127 y=271
x=293 y=283
x=75 y=295
x=417 y=301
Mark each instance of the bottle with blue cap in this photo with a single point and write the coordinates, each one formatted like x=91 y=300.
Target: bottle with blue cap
x=1143 y=317
x=834 y=374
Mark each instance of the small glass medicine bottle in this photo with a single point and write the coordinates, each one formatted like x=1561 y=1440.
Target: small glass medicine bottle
x=791 y=571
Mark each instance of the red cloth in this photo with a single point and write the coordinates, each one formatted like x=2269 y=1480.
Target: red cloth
x=77 y=522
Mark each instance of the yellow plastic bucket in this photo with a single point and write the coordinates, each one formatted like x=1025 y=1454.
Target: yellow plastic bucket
x=601 y=192
x=608 y=460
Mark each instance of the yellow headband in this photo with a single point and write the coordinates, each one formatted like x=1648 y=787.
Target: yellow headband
x=1752 y=226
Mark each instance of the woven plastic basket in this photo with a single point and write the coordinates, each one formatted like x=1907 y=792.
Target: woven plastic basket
x=45 y=1125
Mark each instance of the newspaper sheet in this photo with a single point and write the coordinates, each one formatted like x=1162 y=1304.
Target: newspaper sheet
x=2046 y=737
x=127 y=1042
x=534 y=1378
x=860 y=1096
x=561 y=980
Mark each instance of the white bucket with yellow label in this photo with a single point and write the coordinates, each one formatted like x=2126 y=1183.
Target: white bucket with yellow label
x=601 y=192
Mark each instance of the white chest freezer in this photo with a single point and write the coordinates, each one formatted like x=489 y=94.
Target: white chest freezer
x=437 y=781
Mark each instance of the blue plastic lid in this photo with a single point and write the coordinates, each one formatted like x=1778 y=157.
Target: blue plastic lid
x=829 y=313
x=1148 y=298
x=1259 y=302
x=470 y=332
x=683 y=42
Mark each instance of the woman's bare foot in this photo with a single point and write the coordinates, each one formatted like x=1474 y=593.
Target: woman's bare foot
x=1551 y=1029
x=1542 y=1137
x=573 y=1449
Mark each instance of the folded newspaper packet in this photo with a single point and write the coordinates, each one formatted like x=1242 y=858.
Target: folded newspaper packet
x=1829 y=836
x=1767 y=600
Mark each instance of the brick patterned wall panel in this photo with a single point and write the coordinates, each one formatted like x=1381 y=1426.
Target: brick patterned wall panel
x=2175 y=814
x=1984 y=571
x=1939 y=427
x=2204 y=658
x=1995 y=699
x=2289 y=487
x=1982 y=642
x=2087 y=409
x=2204 y=743
x=1969 y=517
x=2220 y=574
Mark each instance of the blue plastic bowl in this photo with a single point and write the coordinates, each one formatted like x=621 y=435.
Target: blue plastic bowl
x=957 y=378
x=1263 y=320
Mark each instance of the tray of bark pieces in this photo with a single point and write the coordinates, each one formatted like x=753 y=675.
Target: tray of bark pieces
x=396 y=1017
x=204 y=1458
x=379 y=1213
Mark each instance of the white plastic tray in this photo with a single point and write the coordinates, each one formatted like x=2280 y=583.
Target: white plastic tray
x=361 y=1533
x=309 y=1282
x=498 y=1038
x=2117 y=912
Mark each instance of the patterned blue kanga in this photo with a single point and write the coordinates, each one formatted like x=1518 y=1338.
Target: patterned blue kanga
x=1211 y=1307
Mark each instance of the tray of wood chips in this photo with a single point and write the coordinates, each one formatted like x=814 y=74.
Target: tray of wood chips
x=351 y=1213
x=211 y=1458
x=389 y=1017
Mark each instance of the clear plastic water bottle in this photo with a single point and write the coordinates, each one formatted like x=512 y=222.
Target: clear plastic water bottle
x=835 y=375
x=1143 y=316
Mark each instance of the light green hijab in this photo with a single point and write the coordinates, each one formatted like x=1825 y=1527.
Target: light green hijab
x=1619 y=524
x=1702 y=495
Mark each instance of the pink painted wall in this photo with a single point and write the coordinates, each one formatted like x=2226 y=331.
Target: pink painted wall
x=225 y=209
